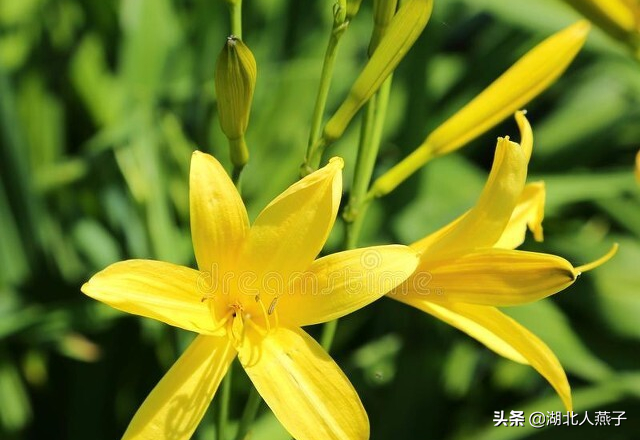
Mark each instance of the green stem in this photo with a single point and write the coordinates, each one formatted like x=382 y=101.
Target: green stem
x=249 y=413
x=235 y=10
x=239 y=158
x=225 y=395
x=365 y=161
x=314 y=155
x=366 y=132
x=316 y=144
x=236 y=174
x=370 y=138
x=359 y=199
x=325 y=82
x=328 y=333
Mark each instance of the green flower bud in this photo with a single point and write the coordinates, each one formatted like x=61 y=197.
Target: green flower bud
x=235 y=80
x=353 y=6
x=383 y=12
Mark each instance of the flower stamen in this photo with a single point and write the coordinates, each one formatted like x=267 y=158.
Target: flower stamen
x=264 y=313
x=273 y=304
x=225 y=320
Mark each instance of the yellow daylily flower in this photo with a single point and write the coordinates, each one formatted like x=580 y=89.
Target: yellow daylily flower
x=254 y=288
x=469 y=268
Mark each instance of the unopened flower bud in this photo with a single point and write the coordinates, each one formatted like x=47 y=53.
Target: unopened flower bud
x=235 y=80
x=353 y=6
x=383 y=12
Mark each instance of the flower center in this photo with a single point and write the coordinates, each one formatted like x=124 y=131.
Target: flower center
x=254 y=314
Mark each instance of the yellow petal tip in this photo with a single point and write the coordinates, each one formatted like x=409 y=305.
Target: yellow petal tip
x=526 y=133
x=599 y=262
x=581 y=27
x=337 y=161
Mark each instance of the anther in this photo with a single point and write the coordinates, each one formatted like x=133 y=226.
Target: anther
x=264 y=313
x=273 y=304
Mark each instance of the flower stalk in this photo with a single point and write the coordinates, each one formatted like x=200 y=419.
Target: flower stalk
x=225 y=397
x=235 y=14
x=369 y=145
x=343 y=11
x=249 y=413
x=371 y=133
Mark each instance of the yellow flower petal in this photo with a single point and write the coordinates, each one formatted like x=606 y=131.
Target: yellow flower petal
x=529 y=212
x=483 y=225
x=303 y=386
x=219 y=221
x=155 y=289
x=637 y=170
x=290 y=232
x=503 y=335
x=176 y=405
x=341 y=283
x=496 y=277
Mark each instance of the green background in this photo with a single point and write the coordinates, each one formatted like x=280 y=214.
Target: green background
x=102 y=103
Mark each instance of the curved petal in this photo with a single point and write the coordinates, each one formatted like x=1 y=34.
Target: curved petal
x=341 y=283
x=303 y=386
x=483 y=225
x=219 y=221
x=290 y=232
x=503 y=335
x=529 y=212
x=154 y=289
x=176 y=405
x=526 y=133
x=495 y=277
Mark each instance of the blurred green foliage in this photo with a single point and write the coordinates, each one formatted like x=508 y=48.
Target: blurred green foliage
x=102 y=103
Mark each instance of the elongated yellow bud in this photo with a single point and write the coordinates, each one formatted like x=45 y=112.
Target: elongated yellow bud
x=402 y=32
x=618 y=18
x=637 y=171
x=383 y=12
x=525 y=80
x=235 y=80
